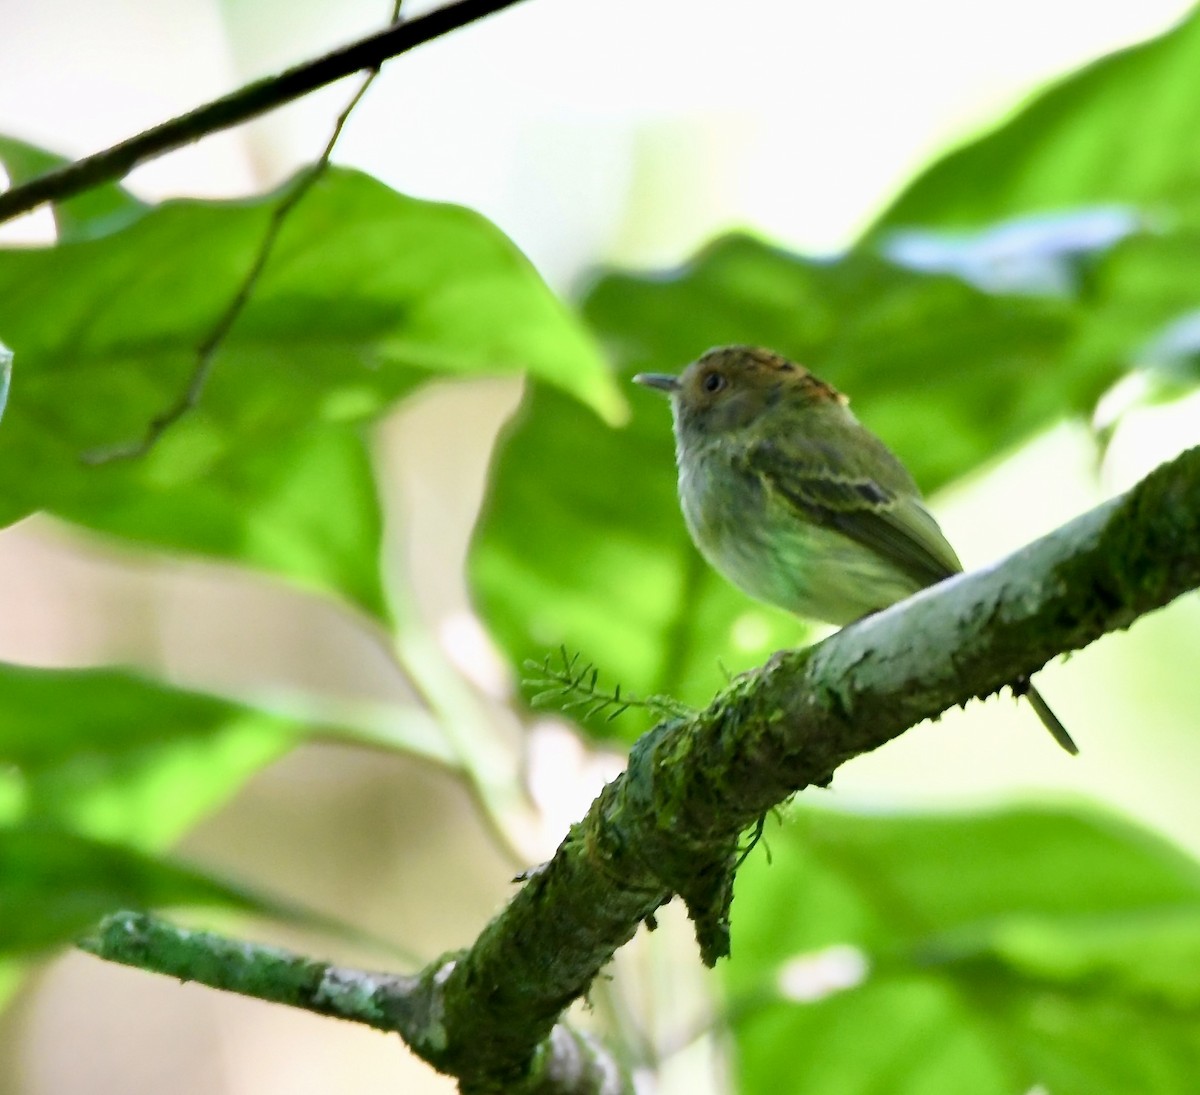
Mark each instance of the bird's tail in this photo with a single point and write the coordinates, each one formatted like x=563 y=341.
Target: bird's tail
x=1050 y=719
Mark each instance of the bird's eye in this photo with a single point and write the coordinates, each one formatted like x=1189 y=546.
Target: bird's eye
x=714 y=382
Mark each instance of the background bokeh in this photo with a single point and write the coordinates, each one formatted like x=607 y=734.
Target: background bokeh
x=614 y=134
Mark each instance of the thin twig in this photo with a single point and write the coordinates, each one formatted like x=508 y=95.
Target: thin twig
x=573 y=685
x=206 y=352
x=242 y=105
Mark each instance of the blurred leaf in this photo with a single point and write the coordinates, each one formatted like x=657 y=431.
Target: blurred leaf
x=366 y=295
x=1045 y=253
x=54 y=885
x=98 y=755
x=1122 y=129
x=11 y=976
x=102 y=209
x=1139 y=303
x=995 y=953
x=1141 y=308
x=122 y=757
x=949 y=376
x=1175 y=351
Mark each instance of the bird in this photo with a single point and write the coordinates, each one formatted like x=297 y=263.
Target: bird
x=795 y=502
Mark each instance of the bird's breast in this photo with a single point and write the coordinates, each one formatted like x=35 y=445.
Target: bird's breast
x=764 y=547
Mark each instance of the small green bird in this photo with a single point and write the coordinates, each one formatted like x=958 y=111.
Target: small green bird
x=789 y=497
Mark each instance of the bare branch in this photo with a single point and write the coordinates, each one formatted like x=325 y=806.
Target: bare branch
x=242 y=105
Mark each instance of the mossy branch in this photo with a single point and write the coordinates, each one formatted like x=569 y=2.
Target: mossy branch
x=568 y=1063
x=670 y=823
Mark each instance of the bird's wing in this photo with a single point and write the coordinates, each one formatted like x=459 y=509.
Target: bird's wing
x=886 y=518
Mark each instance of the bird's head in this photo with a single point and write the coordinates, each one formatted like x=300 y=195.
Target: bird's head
x=732 y=387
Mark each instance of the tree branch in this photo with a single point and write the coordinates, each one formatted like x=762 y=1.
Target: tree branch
x=242 y=105
x=670 y=823
x=569 y=1063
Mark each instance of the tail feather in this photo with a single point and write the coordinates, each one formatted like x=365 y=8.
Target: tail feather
x=1050 y=720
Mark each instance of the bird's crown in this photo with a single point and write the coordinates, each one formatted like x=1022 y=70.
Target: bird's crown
x=727 y=370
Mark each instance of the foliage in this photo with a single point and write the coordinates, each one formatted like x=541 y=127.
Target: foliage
x=58 y=883
x=991 y=953
x=1120 y=130
x=1002 y=291
x=366 y=296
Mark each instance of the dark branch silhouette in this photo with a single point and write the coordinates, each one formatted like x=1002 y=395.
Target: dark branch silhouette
x=242 y=105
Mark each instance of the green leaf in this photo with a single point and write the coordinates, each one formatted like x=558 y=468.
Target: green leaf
x=119 y=756
x=1041 y=254
x=1139 y=297
x=367 y=294
x=55 y=884
x=984 y=953
x=1133 y=286
x=96 y=211
x=1119 y=130
x=11 y=976
x=947 y=375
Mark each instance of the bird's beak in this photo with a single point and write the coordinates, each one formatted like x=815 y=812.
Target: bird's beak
x=664 y=382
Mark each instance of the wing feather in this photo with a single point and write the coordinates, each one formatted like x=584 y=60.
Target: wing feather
x=889 y=520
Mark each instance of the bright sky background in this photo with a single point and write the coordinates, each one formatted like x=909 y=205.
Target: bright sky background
x=627 y=129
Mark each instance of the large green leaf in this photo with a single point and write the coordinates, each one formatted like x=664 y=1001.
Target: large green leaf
x=366 y=295
x=1120 y=130
x=55 y=884
x=985 y=954
x=948 y=375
